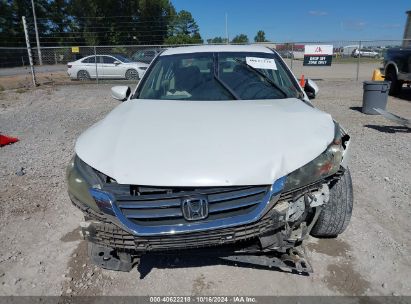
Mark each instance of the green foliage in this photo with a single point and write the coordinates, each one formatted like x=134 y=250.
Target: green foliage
x=242 y=38
x=11 y=26
x=260 y=37
x=217 y=40
x=97 y=22
x=183 y=30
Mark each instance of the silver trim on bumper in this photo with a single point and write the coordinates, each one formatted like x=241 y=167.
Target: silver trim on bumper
x=269 y=200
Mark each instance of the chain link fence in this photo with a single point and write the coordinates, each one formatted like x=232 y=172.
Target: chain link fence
x=352 y=60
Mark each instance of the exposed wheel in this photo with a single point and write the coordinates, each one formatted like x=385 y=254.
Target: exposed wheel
x=83 y=75
x=110 y=258
x=132 y=74
x=396 y=85
x=336 y=214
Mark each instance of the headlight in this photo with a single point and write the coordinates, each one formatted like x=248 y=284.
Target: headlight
x=324 y=165
x=80 y=177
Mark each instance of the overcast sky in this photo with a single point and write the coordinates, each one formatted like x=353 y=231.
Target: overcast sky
x=300 y=20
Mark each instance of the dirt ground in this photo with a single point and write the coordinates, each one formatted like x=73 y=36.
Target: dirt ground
x=41 y=251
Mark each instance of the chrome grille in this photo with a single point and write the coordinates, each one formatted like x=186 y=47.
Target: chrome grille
x=153 y=206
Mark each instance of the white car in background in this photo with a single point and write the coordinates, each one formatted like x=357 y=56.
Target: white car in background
x=107 y=66
x=365 y=53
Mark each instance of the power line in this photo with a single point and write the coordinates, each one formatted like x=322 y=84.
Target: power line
x=118 y=22
x=106 y=17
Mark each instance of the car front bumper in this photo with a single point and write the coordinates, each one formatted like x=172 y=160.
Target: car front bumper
x=268 y=233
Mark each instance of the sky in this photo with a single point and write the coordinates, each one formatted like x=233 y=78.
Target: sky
x=300 y=20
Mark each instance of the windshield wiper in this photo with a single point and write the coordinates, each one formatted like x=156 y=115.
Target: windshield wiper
x=225 y=86
x=265 y=77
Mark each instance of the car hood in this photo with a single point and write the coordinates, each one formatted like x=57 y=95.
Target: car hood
x=205 y=143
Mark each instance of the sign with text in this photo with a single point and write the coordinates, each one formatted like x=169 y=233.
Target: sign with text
x=318 y=55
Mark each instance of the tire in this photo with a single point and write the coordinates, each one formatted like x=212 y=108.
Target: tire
x=109 y=258
x=336 y=214
x=132 y=74
x=396 y=85
x=83 y=75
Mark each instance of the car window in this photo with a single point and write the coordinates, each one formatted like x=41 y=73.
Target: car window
x=108 y=59
x=216 y=76
x=248 y=84
x=187 y=76
x=122 y=58
x=138 y=55
x=89 y=60
x=149 y=54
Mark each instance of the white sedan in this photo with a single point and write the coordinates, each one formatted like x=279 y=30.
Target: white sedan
x=107 y=66
x=216 y=146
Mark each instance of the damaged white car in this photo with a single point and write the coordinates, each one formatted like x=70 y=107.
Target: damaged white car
x=217 y=151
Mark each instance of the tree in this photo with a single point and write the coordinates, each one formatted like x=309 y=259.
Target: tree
x=242 y=38
x=260 y=37
x=183 y=30
x=96 y=22
x=11 y=27
x=140 y=21
x=217 y=40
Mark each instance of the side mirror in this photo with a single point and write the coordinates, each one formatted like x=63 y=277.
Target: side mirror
x=116 y=62
x=120 y=92
x=311 y=89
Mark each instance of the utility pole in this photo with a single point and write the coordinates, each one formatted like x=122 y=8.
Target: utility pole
x=29 y=50
x=358 y=60
x=37 y=34
x=226 y=29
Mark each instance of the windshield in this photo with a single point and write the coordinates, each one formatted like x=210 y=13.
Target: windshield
x=122 y=58
x=218 y=76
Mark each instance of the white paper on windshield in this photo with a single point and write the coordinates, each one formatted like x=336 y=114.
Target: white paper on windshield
x=261 y=63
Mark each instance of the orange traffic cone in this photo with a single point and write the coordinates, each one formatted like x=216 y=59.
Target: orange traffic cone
x=302 y=81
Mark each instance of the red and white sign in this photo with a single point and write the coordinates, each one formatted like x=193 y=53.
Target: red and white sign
x=318 y=55
x=318 y=49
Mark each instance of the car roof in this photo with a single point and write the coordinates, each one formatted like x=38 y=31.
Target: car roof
x=216 y=48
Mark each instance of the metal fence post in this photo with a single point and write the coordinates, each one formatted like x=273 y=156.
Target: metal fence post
x=29 y=51
x=95 y=57
x=292 y=55
x=358 y=61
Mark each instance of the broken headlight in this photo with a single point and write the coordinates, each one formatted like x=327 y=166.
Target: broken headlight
x=80 y=177
x=322 y=166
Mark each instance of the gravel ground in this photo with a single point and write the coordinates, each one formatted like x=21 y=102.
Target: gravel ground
x=41 y=251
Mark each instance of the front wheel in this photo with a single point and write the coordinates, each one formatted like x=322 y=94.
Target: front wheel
x=336 y=214
x=132 y=74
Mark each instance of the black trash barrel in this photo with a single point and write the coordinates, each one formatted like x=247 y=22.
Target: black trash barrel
x=375 y=96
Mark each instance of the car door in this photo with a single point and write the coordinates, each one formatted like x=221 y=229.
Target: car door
x=111 y=69
x=89 y=64
x=94 y=68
